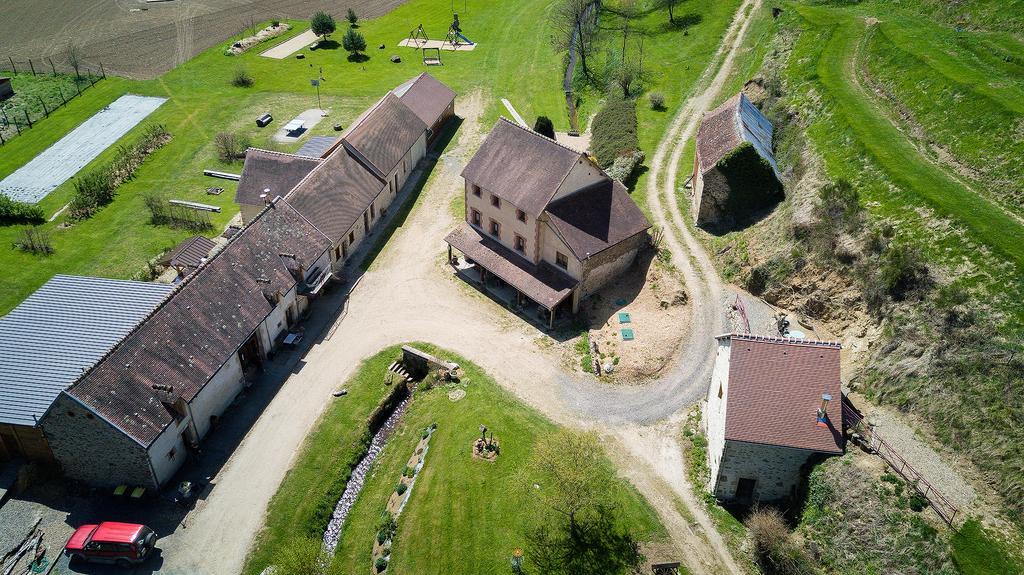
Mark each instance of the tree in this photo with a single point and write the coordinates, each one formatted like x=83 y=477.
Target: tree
x=545 y=127
x=354 y=42
x=570 y=476
x=568 y=16
x=322 y=24
x=351 y=17
x=668 y=5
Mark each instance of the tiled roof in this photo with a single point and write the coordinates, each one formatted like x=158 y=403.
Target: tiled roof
x=384 y=134
x=426 y=97
x=542 y=283
x=61 y=330
x=264 y=169
x=596 y=218
x=336 y=194
x=775 y=390
x=723 y=129
x=202 y=324
x=190 y=253
x=520 y=166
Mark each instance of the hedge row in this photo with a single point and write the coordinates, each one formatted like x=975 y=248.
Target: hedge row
x=12 y=212
x=614 y=131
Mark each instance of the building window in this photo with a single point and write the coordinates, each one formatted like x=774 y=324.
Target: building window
x=351 y=238
x=521 y=215
x=520 y=243
x=495 y=201
x=495 y=229
x=562 y=260
x=474 y=217
x=719 y=391
x=476 y=189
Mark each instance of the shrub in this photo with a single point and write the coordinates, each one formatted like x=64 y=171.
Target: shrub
x=12 y=212
x=387 y=526
x=163 y=213
x=275 y=23
x=774 y=548
x=657 y=100
x=322 y=24
x=34 y=240
x=425 y=434
x=242 y=79
x=614 y=131
x=918 y=502
x=351 y=17
x=623 y=167
x=231 y=147
x=401 y=488
x=544 y=126
x=408 y=471
x=381 y=564
x=353 y=42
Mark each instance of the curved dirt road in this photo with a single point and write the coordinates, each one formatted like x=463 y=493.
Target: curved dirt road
x=410 y=295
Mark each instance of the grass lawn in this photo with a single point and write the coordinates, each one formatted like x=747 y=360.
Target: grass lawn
x=307 y=495
x=976 y=552
x=464 y=515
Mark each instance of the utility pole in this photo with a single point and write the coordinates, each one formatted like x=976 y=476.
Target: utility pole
x=316 y=84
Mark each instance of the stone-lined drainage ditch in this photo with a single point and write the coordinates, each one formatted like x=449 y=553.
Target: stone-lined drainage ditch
x=381 y=556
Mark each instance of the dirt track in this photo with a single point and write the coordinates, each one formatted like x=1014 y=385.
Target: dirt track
x=141 y=39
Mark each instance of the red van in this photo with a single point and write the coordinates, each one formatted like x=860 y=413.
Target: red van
x=123 y=544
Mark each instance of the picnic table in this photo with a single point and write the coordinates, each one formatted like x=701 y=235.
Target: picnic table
x=294 y=126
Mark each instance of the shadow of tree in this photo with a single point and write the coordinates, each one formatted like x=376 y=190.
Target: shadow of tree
x=683 y=23
x=328 y=45
x=358 y=57
x=596 y=545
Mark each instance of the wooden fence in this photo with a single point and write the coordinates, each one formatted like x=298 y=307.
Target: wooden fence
x=874 y=442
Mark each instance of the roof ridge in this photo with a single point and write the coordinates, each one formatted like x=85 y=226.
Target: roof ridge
x=536 y=133
x=780 y=339
x=286 y=154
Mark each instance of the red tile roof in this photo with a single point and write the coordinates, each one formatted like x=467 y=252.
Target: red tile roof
x=210 y=315
x=718 y=134
x=775 y=389
x=520 y=166
x=596 y=218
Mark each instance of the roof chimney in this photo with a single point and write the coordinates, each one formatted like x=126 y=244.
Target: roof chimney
x=822 y=413
x=265 y=196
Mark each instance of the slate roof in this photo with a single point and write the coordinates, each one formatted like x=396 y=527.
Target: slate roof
x=775 y=389
x=317 y=146
x=61 y=330
x=201 y=324
x=426 y=97
x=384 y=134
x=190 y=253
x=723 y=129
x=596 y=218
x=520 y=166
x=335 y=195
x=265 y=169
x=543 y=283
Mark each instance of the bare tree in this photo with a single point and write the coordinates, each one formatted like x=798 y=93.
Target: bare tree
x=72 y=53
x=573 y=24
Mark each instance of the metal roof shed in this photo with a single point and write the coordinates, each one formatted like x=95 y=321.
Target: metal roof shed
x=60 y=331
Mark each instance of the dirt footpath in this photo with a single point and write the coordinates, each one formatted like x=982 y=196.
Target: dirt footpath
x=141 y=39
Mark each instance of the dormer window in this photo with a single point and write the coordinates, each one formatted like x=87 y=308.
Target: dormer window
x=495 y=201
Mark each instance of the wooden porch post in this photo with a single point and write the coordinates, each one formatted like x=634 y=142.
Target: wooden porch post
x=551 y=319
x=449 y=253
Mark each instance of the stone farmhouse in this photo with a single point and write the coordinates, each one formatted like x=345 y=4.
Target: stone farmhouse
x=735 y=175
x=143 y=386
x=773 y=410
x=544 y=219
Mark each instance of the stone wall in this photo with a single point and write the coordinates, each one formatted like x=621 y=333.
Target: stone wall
x=91 y=450
x=710 y=194
x=777 y=470
x=609 y=264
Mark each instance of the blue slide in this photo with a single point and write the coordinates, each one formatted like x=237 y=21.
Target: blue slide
x=468 y=41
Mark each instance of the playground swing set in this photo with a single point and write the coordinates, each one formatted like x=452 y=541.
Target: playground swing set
x=431 y=49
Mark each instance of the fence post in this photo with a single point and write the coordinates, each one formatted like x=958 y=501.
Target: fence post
x=91 y=81
x=45 y=109
x=61 y=92
x=13 y=67
x=31 y=67
x=52 y=67
x=102 y=71
x=27 y=118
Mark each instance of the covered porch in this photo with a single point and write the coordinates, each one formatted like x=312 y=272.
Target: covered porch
x=508 y=276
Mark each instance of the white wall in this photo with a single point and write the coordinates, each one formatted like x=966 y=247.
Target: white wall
x=552 y=243
x=164 y=466
x=583 y=174
x=714 y=409
x=218 y=393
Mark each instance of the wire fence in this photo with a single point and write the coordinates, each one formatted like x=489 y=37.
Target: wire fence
x=68 y=80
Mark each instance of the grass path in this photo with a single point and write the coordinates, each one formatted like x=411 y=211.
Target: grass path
x=895 y=152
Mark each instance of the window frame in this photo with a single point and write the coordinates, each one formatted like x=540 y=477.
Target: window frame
x=519 y=243
x=475 y=217
x=475 y=190
x=495 y=228
x=561 y=260
x=521 y=215
x=495 y=201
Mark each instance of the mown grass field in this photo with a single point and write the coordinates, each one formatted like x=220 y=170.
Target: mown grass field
x=464 y=516
x=514 y=59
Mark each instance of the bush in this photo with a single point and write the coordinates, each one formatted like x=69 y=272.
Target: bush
x=614 y=131
x=401 y=488
x=381 y=564
x=918 y=502
x=387 y=527
x=322 y=24
x=544 y=126
x=231 y=147
x=657 y=100
x=774 y=548
x=353 y=42
x=275 y=23
x=351 y=17
x=242 y=79
x=623 y=167
x=12 y=212
x=163 y=213
x=408 y=471
x=34 y=240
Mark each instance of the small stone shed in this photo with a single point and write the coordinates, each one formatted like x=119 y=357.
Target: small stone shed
x=6 y=90
x=735 y=175
x=767 y=418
